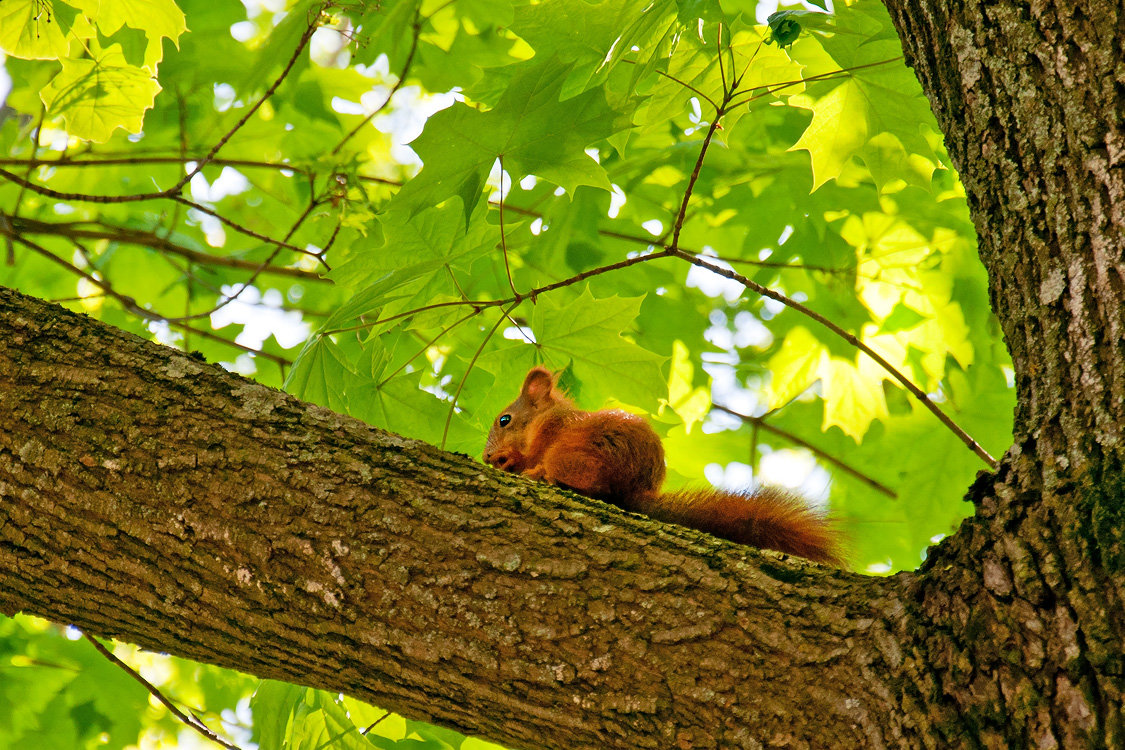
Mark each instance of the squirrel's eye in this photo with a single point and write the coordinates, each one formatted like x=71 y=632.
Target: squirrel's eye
x=505 y=419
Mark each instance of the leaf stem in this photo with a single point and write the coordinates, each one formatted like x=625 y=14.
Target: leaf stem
x=472 y=363
x=503 y=240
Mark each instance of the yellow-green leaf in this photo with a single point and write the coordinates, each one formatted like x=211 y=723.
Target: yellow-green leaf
x=30 y=29
x=691 y=404
x=156 y=18
x=97 y=96
x=853 y=395
x=838 y=129
x=795 y=366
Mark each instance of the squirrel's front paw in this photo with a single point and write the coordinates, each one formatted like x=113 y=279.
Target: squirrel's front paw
x=539 y=474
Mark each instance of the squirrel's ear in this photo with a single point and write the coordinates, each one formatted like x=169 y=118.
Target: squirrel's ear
x=538 y=384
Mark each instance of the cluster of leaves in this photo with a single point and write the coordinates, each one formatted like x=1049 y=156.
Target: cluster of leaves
x=108 y=54
x=594 y=160
x=302 y=718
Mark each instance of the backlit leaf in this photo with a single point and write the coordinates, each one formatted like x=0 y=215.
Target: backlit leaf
x=97 y=96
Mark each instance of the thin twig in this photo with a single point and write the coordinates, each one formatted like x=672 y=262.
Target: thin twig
x=7 y=231
x=749 y=62
x=128 y=236
x=682 y=213
x=5 y=223
x=261 y=266
x=417 y=31
x=81 y=197
x=427 y=345
x=375 y=723
x=126 y=301
x=174 y=190
x=841 y=73
x=204 y=333
x=328 y=246
x=254 y=108
x=728 y=101
x=510 y=300
x=191 y=721
x=34 y=154
x=472 y=363
x=280 y=244
x=688 y=86
x=918 y=393
x=59 y=162
x=131 y=305
x=760 y=423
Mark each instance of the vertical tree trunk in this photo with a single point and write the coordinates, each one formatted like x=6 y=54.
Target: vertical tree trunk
x=1032 y=101
x=1031 y=98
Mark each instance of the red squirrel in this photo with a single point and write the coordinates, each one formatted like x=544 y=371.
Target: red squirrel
x=615 y=456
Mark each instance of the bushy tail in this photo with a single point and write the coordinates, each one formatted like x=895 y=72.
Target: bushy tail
x=767 y=518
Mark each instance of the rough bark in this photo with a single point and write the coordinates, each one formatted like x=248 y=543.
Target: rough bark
x=1030 y=593
x=150 y=497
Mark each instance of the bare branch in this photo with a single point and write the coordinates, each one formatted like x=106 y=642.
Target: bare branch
x=130 y=304
x=65 y=161
x=304 y=41
x=416 y=29
x=151 y=240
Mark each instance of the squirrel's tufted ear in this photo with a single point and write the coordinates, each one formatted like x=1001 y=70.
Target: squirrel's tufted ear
x=538 y=384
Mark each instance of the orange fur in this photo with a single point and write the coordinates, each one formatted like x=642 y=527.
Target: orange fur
x=616 y=456
x=766 y=517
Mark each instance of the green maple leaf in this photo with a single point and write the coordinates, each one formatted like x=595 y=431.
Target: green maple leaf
x=432 y=235
x=586 y=333
x=156 y=18
x=574 y=29
x=794 y=367
x=853 y=395
x=97 y=96
x=530 y=129
x=319 y=372
x=597 y=35
x=876 y=113
x=838 y=129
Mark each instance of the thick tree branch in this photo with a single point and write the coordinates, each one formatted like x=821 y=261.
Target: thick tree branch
x=151 y=497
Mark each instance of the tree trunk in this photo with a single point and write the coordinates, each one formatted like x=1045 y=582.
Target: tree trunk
x=1029 y=595
x=147 y=496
